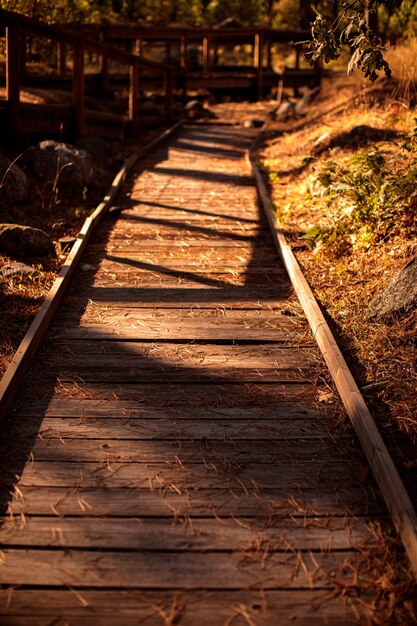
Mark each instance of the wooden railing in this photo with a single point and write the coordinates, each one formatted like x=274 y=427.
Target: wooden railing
x=18 y=27
x=209 y=40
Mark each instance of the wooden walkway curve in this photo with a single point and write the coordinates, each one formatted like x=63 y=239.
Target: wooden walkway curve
x=167 y=461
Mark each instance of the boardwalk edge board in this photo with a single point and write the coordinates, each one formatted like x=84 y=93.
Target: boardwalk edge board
x=12 y=378
x=392 y=488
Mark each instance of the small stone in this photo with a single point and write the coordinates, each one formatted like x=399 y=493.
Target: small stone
x=398 y=298
x=24 y=241
x=86 y=267
x=18 y=269
x=284 y=111
x=254 y=123
x=303 y=104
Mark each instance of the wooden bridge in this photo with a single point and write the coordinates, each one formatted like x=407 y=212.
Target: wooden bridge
x=189 y=61
x=168 y=460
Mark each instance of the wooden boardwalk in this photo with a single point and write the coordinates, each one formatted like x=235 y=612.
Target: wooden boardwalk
x=167 y=461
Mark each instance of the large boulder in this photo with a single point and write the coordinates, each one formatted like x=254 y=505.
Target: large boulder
x=62 y=165
x=13 y=181
x=24 y=241
x=399 y=297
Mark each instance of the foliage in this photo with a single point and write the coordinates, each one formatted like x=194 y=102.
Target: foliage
x=350 y=27
x=187 y=12
x=368 y=198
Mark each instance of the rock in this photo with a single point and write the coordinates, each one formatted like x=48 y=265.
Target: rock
x=196 y=110
x=254 y=123
x=398 y=298
x=303 y=104
x=284 y=111
x=24 y=241
x=18 y=269
x=13 y=181
x=96 y=147
x=62 y=164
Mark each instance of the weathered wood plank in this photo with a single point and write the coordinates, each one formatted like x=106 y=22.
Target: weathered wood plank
x=281 y=502
x=212 y=399
x=172 y=569
x=267 y=450
x=183 y=472
x=164 y=277
x=194 y=317
x=79 y=303
x=98 y=608
x=196 y=535
x=130 y=428
x=262 y=355
x=174 y=330
x=162 y=362
x=195 y=293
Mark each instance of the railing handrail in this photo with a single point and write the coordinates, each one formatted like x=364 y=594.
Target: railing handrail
x=193 y=33
x=63 y=34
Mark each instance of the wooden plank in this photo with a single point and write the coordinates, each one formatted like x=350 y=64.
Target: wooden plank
x=131 y=372
x=126 y=533
x=149 y=319
x=139 y=400
x=79 y=303
x=154 y=362
x=194 y=293
x=179 y=265
x=253 y=283
x=272 y=504
x=97 y=608
x=264 y=451
x=126 y=427
x=165 y=570
x=195 y=403
x=139 y=329
x=183 y=472
x=392 y=488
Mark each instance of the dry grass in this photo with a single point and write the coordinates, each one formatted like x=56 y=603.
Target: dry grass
x=402 y=59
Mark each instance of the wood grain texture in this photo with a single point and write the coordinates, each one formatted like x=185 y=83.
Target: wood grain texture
x=97 y=608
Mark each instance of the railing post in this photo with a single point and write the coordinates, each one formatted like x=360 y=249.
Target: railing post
x=257 y=62
x=103 y=67
x=138 y=47
x=134 y=95
x=184 y=64
x=13 y=78
x=169 y=85
x=61 y=54
x=168 y=52
x=78 y=90
x=206 y=54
